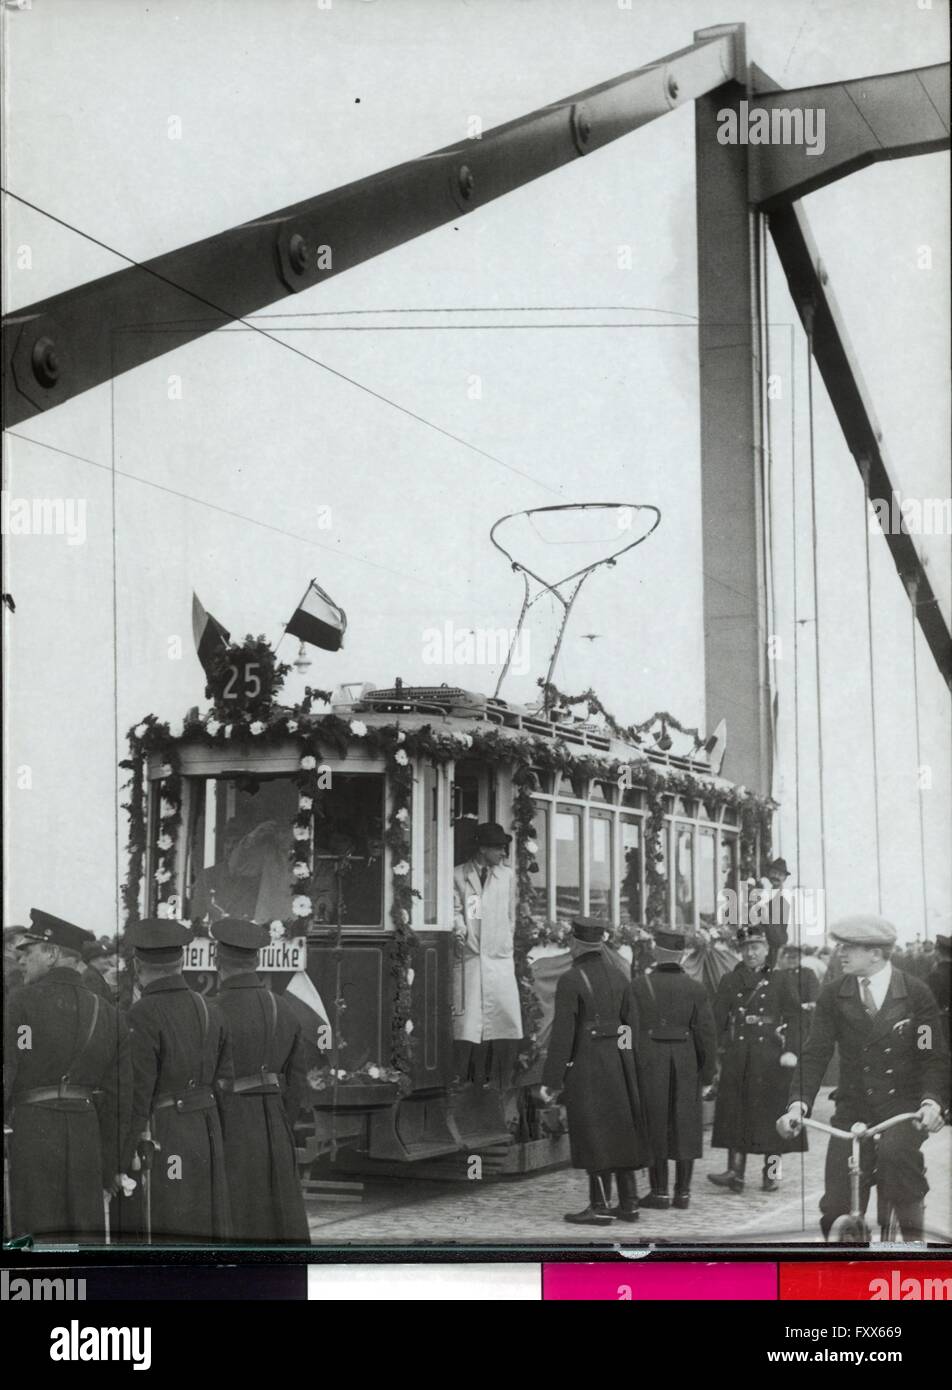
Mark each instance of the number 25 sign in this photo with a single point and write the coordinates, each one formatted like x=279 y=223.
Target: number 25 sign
x=242 y=682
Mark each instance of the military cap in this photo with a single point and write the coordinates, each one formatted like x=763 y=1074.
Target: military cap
x=752 y=932
x=55 y=931
x=490 y=835
x=671 y=940
x=158 y=940
x=589 y=929
x=239 y=935
x=864 y=930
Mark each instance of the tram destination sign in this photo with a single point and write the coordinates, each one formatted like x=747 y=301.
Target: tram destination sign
x=289 y=954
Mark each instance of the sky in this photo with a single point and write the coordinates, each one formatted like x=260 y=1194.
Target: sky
x=517 y=330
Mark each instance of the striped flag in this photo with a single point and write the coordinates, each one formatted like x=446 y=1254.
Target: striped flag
x=318 y=620
x=209 y=634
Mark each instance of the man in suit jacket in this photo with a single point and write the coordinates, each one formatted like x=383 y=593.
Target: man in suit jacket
x=591 y=1056
x=885 y=1025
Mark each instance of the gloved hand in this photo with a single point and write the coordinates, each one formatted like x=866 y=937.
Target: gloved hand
x=788 y=1059
x=790 y=1123
x=145 y=1156
x=929 y=1117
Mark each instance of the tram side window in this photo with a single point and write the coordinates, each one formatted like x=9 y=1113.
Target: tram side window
x=600 y=865
x=540 y=878
x=706 y=878
x=631 y=905
x=727 y=881
x=684 y=878
x=568 y=863
x=431 y=811
x=239 y=846
x=348 y=851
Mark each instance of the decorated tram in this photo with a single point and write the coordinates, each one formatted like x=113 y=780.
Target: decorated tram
x=338 y=821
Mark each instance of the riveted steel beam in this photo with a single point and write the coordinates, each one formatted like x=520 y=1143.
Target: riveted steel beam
x=802 y=139
x=58 y=348
x=837 y=364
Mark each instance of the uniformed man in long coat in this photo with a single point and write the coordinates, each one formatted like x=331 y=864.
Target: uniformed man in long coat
x=179 y=1054
x=487 y=1009
x=67 y=1088
x=260 y=1104
x=591 y=1057
x=677 y=1049
x=758 y=1020
x=885 y=1026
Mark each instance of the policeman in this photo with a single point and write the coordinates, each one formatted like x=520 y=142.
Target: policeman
x=886 y=1026
x=67 y=1084
x=260 y=1105
x=591 y=1055
x=758 y=1020
x=179 y=1054
x=678 y=1050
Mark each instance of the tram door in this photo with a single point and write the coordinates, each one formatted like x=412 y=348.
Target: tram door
x=474 y=802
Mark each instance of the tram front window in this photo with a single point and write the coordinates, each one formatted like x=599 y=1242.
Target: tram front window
x=684 y=879
x=600 y=865
x=631 y=906
x=568 y=864
x=706 y=884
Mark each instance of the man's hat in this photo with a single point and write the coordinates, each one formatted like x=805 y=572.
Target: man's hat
x=671 y=940
x=238 y=935
x=55 y=932
x=778 y=866
x=864 y=930
x=589 y=929
x=489 y=835
x=752 y=932
x=158 y=940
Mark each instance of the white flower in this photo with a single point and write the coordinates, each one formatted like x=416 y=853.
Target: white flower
x=404 y=916
x=408 y=1026
x=292 y=725
x=358 y=728
x=213 y=727
x=373 y=1072
x=411 y=975
x=465 y=739
x=256 y=727
x=400 y=758
x=177 y=728
x=402 y=868
x=141 y=730
x=229 y=729
x=301 y=832
x=341 y=1073
x=276 y=929
x=308 y=763
x=301 y=905
x=167 y=809
x=300 y=869
x=532 y=847
x=162 y=875
x=403 y=814
x=401 y=736
x=164 y=842
x=305 y=803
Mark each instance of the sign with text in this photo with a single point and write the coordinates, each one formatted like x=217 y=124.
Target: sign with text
x=288 y=954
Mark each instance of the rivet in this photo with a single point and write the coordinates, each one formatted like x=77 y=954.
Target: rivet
x=466 y=180
x=584 y=128
x=673 y=87
x=299 y=253
x=46 y=363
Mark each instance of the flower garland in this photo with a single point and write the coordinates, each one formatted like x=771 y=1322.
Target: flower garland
x=397 y=837
x=628 y=733
x=526 y=933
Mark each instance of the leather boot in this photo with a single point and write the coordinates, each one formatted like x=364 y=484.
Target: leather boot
x=771 y=1163
x=598 y=1211
x=658 y=1199
x=627 y=1183
x=733 y=1178
x=912 y=1219
x=683 y=1172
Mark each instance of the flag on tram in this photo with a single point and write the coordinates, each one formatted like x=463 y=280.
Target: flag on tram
x=318 y=620
x=209 y=634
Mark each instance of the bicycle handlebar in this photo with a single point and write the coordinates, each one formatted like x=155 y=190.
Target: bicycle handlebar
x=859 y=1130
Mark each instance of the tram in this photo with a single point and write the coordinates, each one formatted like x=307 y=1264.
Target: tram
x=339 y=822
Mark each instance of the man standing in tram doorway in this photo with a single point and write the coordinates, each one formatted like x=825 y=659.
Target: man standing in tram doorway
x=592 y=1056
x=772 y=910
x=678 y=1050
x=179 y=1054
x=487 y=1015
x=758 y=1019
x=67 y=1089
x=259 y=1106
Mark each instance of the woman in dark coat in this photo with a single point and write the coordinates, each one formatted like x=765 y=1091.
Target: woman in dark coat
x=678 y=1052
x=591 y=1057
x=758 y=1019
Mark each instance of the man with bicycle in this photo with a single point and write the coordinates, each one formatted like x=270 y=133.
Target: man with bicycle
x=886 y=1026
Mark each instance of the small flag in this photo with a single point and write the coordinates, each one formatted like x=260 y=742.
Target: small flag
x=318 y=620
x=209 y=634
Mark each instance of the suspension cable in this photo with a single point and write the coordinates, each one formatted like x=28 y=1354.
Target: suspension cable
x=913 y=591
x=808 y=320
x=864 y=474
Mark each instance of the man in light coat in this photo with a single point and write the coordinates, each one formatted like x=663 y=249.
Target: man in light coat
x=487 y=1016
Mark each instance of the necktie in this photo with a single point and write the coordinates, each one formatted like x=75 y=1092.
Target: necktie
x=484 y=874
x=869 y=1003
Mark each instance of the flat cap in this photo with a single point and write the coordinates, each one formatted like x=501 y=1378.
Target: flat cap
x=158 y=939
x=671 y=940
x=56 y=931
x=864 y=930
x=240 y=935
x=589 y=929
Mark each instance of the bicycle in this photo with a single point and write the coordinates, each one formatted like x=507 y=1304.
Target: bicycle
x=853 y=1228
